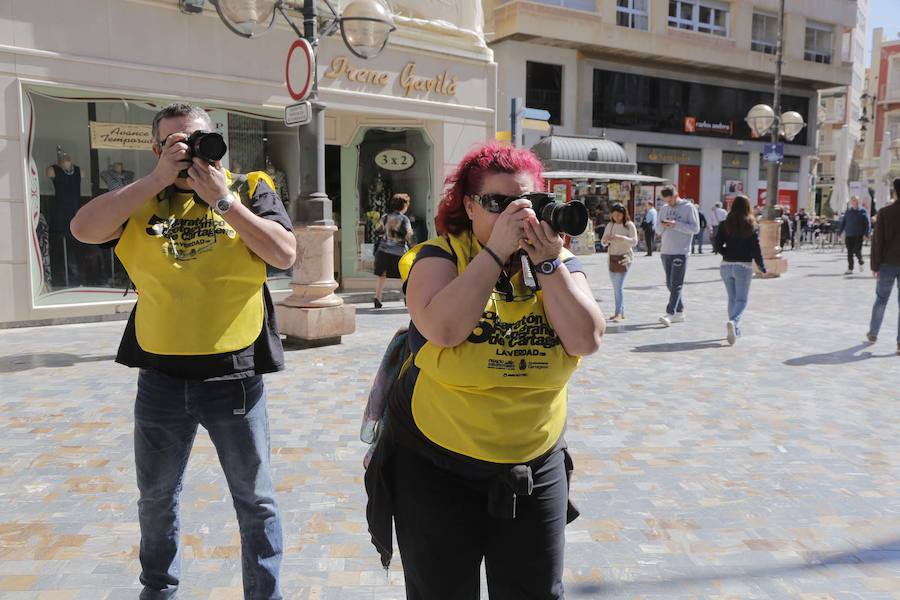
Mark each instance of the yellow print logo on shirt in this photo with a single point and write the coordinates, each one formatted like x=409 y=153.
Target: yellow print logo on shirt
x=189 y=238
x=519 y=346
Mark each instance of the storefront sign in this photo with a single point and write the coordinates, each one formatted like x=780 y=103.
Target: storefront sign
x=410 y=82
x=735 y=160
x=120 y=136
x=693 y=125
x=647 y=154
x=340 y=68
x=395 y=160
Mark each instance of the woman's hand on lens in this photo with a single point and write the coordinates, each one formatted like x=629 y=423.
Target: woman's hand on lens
x=541 y=242
x=509 y=228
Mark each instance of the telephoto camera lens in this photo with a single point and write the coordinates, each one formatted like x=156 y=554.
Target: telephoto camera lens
x=570 y=218
x=208 y=145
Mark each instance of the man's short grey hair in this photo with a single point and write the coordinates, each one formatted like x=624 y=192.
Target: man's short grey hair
x=178 y=109
x=668 y=191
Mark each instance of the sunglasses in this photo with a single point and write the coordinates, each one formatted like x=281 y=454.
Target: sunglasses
x=497 y=203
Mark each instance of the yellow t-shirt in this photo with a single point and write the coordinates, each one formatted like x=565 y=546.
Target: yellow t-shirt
x=501 y=395
x=199 y=286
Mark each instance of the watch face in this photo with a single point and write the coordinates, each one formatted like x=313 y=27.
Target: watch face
x=547 y=267
x=223 y=204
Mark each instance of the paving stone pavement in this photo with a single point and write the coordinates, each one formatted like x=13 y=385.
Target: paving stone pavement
x=764 y=470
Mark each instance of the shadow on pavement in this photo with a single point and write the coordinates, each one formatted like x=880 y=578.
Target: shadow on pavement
x=838 y=357
x=621 y=328
x=883 y=553
x=26 y=362
x=399 y=310
x=682 y=346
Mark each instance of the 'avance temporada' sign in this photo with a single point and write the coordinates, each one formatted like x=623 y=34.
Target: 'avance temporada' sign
x=120 y=136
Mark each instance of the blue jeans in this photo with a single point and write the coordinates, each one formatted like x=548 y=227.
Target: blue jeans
x=737 y=278
x=618 y=283
x=697 y=241
x=166 y=414
x=887 y=275
x=675 y=266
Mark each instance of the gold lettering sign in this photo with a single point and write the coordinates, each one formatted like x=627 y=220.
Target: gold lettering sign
x=410 y=82
x=120 y=136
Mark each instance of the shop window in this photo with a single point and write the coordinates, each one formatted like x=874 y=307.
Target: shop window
x=819 y=45
x=765 y=33
x=391 y=161
x=704 y=16
x=80 y=149
x=643 y=103
x=633 y=14
x=543 y=88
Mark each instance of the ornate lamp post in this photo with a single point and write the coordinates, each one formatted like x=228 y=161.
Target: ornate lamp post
x=313 y=314
x=764 y=119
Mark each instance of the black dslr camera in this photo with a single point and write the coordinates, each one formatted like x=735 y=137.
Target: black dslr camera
x=563 y=217
x=208 y=145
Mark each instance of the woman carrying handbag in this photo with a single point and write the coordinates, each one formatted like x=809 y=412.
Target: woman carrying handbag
x=621 y=237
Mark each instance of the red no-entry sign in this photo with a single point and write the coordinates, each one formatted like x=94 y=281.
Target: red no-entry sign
x=298 y=70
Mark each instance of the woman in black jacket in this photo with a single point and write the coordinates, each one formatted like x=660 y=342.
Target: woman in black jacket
x=738 y=243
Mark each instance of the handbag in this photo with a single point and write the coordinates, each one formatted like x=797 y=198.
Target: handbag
x=619 y=263
x=396 y=358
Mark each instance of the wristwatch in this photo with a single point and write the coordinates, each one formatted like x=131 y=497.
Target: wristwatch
x=223 y=204
x=548 y=267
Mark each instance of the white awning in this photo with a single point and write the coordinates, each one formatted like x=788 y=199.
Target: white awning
x=604 y=177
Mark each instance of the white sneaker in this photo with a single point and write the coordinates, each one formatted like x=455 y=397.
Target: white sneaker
x=678 y=317
x=730 y=333
x=666 y=320
x=848 y=272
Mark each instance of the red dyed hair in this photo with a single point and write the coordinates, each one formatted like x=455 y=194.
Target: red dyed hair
x=466 y=180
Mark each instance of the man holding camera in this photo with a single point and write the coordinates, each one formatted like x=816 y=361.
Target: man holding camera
x=196 y=243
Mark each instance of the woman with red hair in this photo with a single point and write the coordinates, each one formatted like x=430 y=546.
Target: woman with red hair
x=472 y=464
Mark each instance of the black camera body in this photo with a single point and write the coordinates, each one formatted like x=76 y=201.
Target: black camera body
x=208 y=145
x=564 y=217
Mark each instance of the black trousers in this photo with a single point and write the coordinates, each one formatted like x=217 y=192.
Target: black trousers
x=648 y=237
x=444 y=531
x=854 y=248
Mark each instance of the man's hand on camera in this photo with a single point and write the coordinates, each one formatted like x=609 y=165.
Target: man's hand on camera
x=175 y=157
x=208 y=181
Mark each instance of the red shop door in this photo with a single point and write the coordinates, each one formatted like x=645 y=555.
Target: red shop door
x=689 y=182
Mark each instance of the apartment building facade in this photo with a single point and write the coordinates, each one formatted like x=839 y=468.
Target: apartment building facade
x=672 y=80
x=880 y=147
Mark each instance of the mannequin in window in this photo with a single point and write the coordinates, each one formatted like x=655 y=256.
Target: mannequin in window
x=376 y=202
x=116 y=176
x=280 y=180
x=66 y=178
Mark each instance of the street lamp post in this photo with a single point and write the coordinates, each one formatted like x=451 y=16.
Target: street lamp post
x=764 y=119
x=313 y=314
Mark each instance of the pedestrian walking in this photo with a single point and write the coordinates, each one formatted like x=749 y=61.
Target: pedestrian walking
x=195 y=241
x=649 y=227
x=738 y=243
x=718 y=217
x=472 y=464
x=697 y=240
x=885 y=261
x=621 y=237
x=678 y=223
x=855 y=226
x=395 y=231
x=786 y=227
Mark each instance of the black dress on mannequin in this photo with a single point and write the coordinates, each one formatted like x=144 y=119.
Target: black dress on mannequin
x=64 y=248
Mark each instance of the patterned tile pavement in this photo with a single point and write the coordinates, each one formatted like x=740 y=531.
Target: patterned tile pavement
x=764 y=470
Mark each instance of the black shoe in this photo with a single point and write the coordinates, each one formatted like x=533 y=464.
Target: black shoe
x=377 y=303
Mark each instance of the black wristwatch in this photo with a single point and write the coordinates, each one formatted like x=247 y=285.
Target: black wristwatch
x=548 y=267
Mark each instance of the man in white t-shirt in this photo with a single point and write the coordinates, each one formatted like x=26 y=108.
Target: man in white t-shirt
x=717 y=216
